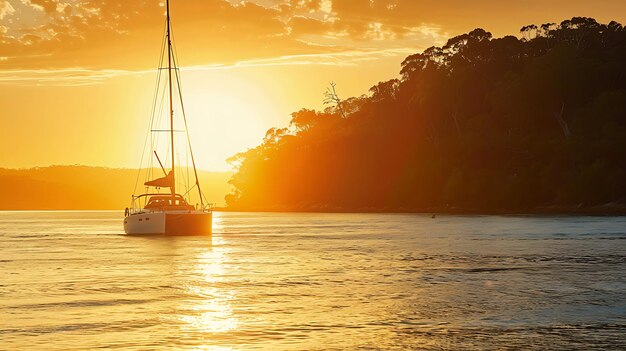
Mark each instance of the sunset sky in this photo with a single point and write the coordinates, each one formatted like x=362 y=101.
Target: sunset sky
x=77 y=76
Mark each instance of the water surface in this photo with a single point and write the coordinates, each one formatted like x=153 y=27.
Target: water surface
x=72 y=281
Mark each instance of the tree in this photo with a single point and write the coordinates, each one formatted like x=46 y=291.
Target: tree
x=477 y=124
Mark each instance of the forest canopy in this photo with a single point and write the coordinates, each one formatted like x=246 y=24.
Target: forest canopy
x=480 y=124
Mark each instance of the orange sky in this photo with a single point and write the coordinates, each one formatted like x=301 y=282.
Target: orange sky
x=77 y=76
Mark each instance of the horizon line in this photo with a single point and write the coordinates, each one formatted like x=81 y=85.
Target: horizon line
x=104 y=167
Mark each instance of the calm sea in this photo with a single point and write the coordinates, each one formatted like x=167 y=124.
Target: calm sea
x=72 y=281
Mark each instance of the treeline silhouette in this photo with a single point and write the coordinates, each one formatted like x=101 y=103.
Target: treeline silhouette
x=84 y=188
x=481 y=124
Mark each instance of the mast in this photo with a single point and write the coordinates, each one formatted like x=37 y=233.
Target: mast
x=169 y=73
x=171 y=60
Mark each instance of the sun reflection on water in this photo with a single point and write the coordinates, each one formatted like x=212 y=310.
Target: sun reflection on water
x=217 y=225
x=212 y=316
x=212 y=348
x=210 y=309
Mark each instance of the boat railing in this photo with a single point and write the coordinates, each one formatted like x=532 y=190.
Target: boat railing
x=136 y=208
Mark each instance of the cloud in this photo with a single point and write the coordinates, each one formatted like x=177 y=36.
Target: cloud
x=48 y=6
x=121 y=34
x=343 y=58
x=126 y=35
x=61 y=77
x=301 y=25
x=5 y=9
x=82 y=76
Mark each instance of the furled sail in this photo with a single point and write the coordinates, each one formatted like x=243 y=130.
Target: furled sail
x=164 y=182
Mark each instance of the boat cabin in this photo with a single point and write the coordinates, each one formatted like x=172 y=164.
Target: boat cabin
x=166 y=202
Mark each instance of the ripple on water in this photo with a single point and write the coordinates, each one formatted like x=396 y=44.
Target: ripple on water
x=69 y=281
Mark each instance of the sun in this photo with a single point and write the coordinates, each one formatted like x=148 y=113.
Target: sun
x=224 y=115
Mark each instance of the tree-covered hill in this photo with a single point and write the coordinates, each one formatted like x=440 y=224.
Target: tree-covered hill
x=480 y=124
x=84 y=188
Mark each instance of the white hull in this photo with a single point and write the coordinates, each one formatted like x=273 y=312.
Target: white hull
x=145 y=223
x=169 y=223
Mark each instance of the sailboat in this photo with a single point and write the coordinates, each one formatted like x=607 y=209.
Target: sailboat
x=169 y=213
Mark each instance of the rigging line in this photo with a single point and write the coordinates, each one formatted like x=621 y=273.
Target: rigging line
x=158 y=114
x=156 y=121
x=184 y=172
x=159 y=117
x=145 y=142
x=154 y=103
x=193 y=161
x=187 y=166
x=154 y=118
x=179 y=87
x=207 y=201
x=158 y=83
x=158 y=103
x=178 y=170
x=203 y=198
x=190 y=189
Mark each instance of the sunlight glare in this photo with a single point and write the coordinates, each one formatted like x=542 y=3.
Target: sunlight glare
x=212 y=313
x=225 y=116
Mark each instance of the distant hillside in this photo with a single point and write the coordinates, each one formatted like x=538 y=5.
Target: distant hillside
x=84 y=188
x=528 y=123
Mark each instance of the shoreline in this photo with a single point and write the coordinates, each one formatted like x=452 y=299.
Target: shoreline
x=611 y=209
x=599 y=211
